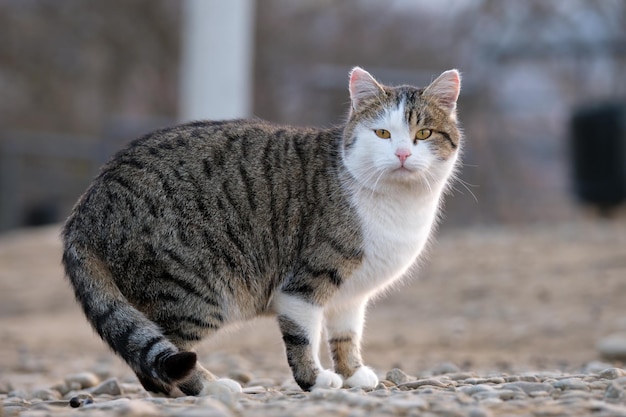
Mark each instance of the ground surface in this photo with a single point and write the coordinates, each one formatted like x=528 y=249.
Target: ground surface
x=517 y=303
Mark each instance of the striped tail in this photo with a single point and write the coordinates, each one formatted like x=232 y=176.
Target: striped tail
x=139 y=341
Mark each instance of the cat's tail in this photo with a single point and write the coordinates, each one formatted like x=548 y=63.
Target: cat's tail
x=138 y=340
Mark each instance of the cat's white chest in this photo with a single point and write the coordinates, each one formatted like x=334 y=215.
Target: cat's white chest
x=395 y=233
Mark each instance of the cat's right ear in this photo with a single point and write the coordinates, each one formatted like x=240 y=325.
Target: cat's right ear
x=362 y=86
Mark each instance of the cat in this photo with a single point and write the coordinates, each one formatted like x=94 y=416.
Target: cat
x=193 y=227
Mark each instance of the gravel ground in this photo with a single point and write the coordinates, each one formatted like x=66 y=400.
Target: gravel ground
x=524 y=321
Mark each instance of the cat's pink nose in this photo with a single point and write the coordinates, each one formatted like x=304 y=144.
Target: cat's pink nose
x=403 y=154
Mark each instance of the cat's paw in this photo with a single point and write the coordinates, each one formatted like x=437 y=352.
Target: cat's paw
x=364 y=377
x=327 y=379
x=221 y=385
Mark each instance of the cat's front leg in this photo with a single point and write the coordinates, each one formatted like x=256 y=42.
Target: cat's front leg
x=344 y=325
x=300 y=322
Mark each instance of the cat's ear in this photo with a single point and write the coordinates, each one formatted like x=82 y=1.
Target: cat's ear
x=362 y=86
x=445 y=89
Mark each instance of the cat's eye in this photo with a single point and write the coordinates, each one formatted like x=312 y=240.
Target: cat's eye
x=382 y=133
x=423 y=134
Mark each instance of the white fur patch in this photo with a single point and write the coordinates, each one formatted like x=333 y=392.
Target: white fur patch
x=222 y=385
x=327 y=379
x=397 y=204
x=364 y=377
x=346 y=318
x=307 y=315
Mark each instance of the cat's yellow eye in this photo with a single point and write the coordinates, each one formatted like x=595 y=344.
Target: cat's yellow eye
x=382 y=133
x=423 y=134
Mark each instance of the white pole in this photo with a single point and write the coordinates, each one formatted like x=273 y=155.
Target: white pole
x=216 y=65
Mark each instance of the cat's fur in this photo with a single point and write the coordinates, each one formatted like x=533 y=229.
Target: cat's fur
x=197 y=226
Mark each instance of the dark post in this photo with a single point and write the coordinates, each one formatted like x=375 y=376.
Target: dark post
x=598 y=151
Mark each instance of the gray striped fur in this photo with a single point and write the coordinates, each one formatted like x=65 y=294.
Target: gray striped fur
x=200 y=225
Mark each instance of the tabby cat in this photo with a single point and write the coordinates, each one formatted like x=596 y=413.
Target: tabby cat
x=197 y=226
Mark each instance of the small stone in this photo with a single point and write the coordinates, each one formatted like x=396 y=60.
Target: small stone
x=46 y=394
x=381 y=386
x=595 y=367
x=529 y=387
x=61 y=387
x=17 y=393
x=256 y=389
x=118 y=403
x=397 y=376
x=502 y=394
x=423 y=382
x=614 y=392
x=110 y=387
x=241 y=376
x=612 y=373
x=528 y=378
x=387 y=383
x=404 y=406
x=82 y=399
x=12 y=410
x=475 y=381
x=5 y=387
x=574 y=395
x=82 y=380
x=479 y=412
x=599 y=385
x=613 y=347
x=571 y=384
x=461 y=376
x=139 y=408
x=473 y=389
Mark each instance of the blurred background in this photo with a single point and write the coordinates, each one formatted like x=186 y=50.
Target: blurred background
x=80 y=79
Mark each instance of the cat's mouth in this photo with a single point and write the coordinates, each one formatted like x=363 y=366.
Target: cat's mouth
x=403 y=172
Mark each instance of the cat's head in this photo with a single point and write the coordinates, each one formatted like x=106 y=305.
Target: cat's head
x=402 y=135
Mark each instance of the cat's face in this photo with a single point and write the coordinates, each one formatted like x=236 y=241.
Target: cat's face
x=402 y=134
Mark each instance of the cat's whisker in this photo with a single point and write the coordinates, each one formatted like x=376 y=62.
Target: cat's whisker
x=465 y=185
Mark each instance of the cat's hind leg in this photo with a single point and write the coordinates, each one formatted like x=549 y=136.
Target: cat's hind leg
x=344 y=325
x=300 y=322
x=199 y=381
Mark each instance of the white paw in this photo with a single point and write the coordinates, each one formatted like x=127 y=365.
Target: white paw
x=364 y=377
x=327 y=379
x=220 y=386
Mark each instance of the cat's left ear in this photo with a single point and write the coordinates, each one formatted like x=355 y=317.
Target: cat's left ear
x=445 y=89
x=362 y=86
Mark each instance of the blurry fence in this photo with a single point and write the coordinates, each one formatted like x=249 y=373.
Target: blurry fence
x=43 y=174
x=40 y=175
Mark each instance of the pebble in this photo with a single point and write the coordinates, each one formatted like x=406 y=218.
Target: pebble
x=423 y=382
x=82 y=380
x=397 y=376
x=241 y=377
x=614 y=392
x=46 y=394
x=612 y=373
x=613 y=347
x=547 y=394
x=571 y=384
x=5 y=387
x=529 y=387
x=110 y=387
